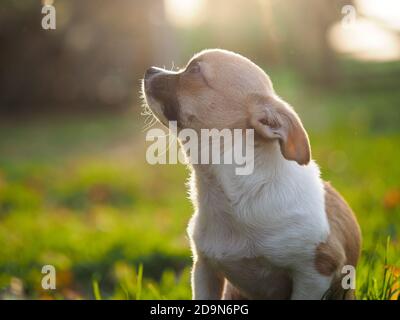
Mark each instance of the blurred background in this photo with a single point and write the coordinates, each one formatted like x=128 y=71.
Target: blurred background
x=75 y=189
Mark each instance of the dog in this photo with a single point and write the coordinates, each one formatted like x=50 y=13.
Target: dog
x=278 y=233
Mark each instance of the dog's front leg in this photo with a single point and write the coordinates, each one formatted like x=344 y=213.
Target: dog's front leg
x=207 y=284
x=309 y=285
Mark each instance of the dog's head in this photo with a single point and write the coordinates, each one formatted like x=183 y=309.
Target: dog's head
x=221 y=89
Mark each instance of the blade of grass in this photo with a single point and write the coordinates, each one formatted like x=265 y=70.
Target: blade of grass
x=139 y=282
x=157 y=295
x=125 y=291
x=96 y=290
x=387 y=276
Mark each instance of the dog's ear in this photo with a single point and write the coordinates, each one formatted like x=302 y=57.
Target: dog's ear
x=273 y=118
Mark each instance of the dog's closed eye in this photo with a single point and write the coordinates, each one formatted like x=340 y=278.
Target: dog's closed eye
x=193 y=68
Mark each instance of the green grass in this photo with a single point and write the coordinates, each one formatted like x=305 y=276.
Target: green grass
x=77 y=193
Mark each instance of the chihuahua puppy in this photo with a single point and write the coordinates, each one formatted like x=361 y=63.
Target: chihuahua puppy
x=278 y=233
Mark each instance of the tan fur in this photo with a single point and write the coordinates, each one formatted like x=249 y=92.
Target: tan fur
x=219 y=91
x=344 y=242
x=231 y=92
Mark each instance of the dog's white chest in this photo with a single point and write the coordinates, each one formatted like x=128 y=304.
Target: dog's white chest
x=249 y=217
x=235 y=254
x=220 y=238
x=254 y=229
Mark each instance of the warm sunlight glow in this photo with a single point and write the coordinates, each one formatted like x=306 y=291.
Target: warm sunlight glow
x=373 y=35
x=365 y=40
x=386 y=11
x=184 y=13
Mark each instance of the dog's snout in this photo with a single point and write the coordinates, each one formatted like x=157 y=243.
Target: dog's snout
x=161 y=85
x=151 y=71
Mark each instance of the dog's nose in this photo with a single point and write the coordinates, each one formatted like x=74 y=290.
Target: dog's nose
x=151 y=71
